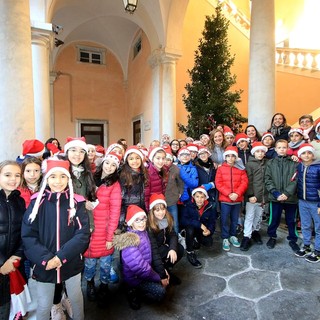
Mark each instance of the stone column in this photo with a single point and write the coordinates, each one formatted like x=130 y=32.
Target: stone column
x=42 y=43
x=262 y=64
x=16 y=89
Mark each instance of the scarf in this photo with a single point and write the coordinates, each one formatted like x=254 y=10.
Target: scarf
x=276 y=131
x=207 y=164
x=77 y=171
x=162 y=224
x=295 y=145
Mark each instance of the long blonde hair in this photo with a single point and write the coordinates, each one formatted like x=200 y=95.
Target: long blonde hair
x=152 y=220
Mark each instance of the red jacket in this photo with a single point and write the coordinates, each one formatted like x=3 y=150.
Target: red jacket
x=106 y=218
x=231 y=180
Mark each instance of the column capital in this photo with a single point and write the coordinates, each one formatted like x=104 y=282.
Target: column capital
x=162 y=56
x=42 y=35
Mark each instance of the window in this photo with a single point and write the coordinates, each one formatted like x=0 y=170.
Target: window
x=137 y=47
x=91 y=55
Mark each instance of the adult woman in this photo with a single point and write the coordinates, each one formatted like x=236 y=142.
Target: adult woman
x=216 y=146
x=175 y=146
x=279 y=127
x=252 y=133
x=306 y=123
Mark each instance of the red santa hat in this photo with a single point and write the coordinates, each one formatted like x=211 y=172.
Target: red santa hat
x=114 y=145
x=112 y=156
x=192 y=147
x=230 y=150
x=200 y=189
x=133 y=149
x=258 y=146
x=33 y=148
x=300 y=131
x=153 y=151
x=53 y=148
x=157 y=198
x=75 y=142
x=241 y=137
x=267 y=134
x=203 y=149
x=134 y=212
x=50 y=166
x=100 y=151
x=306 y=147
x=204 y=135
x=227 y=131
x=183 y=150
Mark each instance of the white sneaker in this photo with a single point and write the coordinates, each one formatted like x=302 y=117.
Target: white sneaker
x=57 y=312
x=234 y=241
x=182 y=240
x=66 y=305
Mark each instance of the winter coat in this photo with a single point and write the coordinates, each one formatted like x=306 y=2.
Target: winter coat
x=140 y=257
x=26 y=194
x=166 y=238
x=231 y=180
x=11 y=214
x=280 y=177
x=308 y=182
x=156 y=183
x=255 y=170
x=106 y=218
x=244 y=155
x=189 y=176
x=271 y=153
x=175 y=185
x=190 y=215
x=43 y=238
x=206 y=176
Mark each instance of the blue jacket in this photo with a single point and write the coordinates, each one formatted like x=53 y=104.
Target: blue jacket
x=206 y=177
x=309 y=182
x=189 y=176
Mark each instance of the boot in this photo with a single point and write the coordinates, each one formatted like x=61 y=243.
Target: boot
x=134 y=299
x=103 y=295
x=91 y=290
x=245 y=244
x=256 y=237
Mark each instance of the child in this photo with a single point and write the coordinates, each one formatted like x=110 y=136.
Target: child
x=12 y=207
x=55 y=233
x=281 y=185
x=309 y=201
x=193 y=148
x=297 y=138
x=157 y=174
x=106 y=217
x=198 y=218
x=92 y=157
x=256 y=195
x=244 y=148
x=268 y=141
x=231 y=183
x=143 y=270
x=161 y=225
x=229 y=136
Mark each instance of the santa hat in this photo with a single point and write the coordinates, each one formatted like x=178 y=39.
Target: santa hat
x=267 y=134
x=75 y=142
x=157 y=198
x=200 y=189
x=300 y=131
x=306 y=147
x=227 y=131
x=204 y=135
x=100 y=151
x=317 y=125
x=53 y=148
x=33 y=148
x=203 y=150
x=133 y=149
x=153 y=151
x=192 y=147
x=50 y=166
x=169 y=154
x=258 y=146
x=241 y=137
x=230 y=150
x=91 y=146
x=114 y=145
x=183 y=150
x=116 y=158
x=134 y=212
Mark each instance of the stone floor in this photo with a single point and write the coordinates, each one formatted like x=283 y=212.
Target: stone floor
x=260 y=284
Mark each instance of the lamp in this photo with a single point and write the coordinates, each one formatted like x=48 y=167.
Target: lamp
x=130 y=5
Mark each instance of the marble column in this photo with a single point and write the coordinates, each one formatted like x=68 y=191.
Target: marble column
x=262 y=64
x=16 y=90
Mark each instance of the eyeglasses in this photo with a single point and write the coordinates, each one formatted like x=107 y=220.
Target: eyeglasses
x=139 y=220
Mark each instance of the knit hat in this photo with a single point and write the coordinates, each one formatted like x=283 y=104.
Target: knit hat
x=33 y=148
x=75 y=142
x=133 y=212
x=157 y=198
x=183 y=150
x=203 y=150
x=230 y=150
x=192 y=147
x=258 y=146
x=114 y=145
x=200 y=189
x=114 y=157
x=133 y=149
x=300 y=131
x=306 y=147
x=267 y=134
x=241 y=137
x=50 y=166
x=153 y=151
x=100 y=151
x=227 y=131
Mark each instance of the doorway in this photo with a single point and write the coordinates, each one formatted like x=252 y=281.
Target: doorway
x=95 y=132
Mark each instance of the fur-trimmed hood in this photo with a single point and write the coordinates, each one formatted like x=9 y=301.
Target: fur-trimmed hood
x=125 y=240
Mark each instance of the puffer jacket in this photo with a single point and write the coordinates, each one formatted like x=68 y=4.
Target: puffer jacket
x=11 y=214
x=140 y=257
x=156 y=183
x=52 y=233
x=255 y=170
x=231 y=180
x=280 y=177
x=106 y=218
x=308 y=184
x=189 y=176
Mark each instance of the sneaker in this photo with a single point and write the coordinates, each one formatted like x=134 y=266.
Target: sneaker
x=57 y=312
x=256 y=237
x=91 y=290
x=114 y=278
x=294 y=246
x=234 y=241
x=192 y=258
x=226 y=245
x=314 y=257
x=182 y=240
x=196 y=244
x=245 y=244
x=66 y=305
x=271 y=243
x=305 y=251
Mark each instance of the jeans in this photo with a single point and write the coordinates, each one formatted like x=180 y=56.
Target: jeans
x=45 y=292
x=229 y=219
x=90 y=266
x=252 y=219
x=310 y=219
x=174 y=213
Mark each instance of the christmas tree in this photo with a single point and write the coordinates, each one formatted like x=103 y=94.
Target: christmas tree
x=209 y=99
